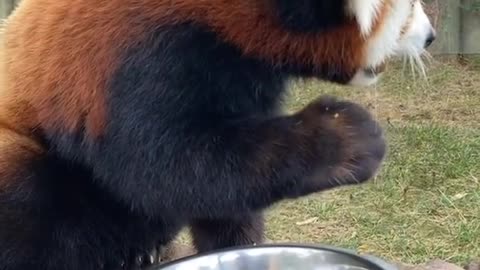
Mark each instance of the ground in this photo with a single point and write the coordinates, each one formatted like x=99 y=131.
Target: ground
x=425 y=202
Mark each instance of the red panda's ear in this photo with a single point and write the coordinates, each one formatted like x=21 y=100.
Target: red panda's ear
x=311 y=15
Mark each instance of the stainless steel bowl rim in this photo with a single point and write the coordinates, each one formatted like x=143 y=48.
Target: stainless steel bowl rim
x=375 y=262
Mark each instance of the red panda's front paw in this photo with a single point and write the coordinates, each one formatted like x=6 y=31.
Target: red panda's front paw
x=348 y=143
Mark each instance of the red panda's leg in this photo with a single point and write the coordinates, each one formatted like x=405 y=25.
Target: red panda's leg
x=34 y=233
x=20 y=203
x=53 y=217
x=241 y=230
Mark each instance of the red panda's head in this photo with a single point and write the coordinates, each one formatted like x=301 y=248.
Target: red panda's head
x=402 y=30
x=345 y=41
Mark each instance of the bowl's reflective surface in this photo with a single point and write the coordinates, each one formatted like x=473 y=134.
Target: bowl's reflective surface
x=275 y=258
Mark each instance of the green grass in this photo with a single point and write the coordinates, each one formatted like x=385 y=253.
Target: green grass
x=425 y=203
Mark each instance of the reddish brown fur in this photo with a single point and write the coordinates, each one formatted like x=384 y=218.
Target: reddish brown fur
x=251 y=26
x=62 y=75
x=60 y=60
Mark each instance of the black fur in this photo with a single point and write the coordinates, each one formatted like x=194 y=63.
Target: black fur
x=236 y=230
x=59 y=219
x=193 y=137
x=311 y=15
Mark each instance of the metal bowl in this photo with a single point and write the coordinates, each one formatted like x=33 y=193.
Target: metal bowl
x=279 y=257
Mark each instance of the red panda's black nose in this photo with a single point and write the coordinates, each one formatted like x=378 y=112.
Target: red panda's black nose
x=431 y=38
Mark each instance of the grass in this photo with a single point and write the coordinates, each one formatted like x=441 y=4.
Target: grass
x=425 y=203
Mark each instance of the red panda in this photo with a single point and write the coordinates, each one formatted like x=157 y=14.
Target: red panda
x=123 y=121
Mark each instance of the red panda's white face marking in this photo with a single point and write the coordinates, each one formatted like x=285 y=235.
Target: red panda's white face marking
x=391 y=28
